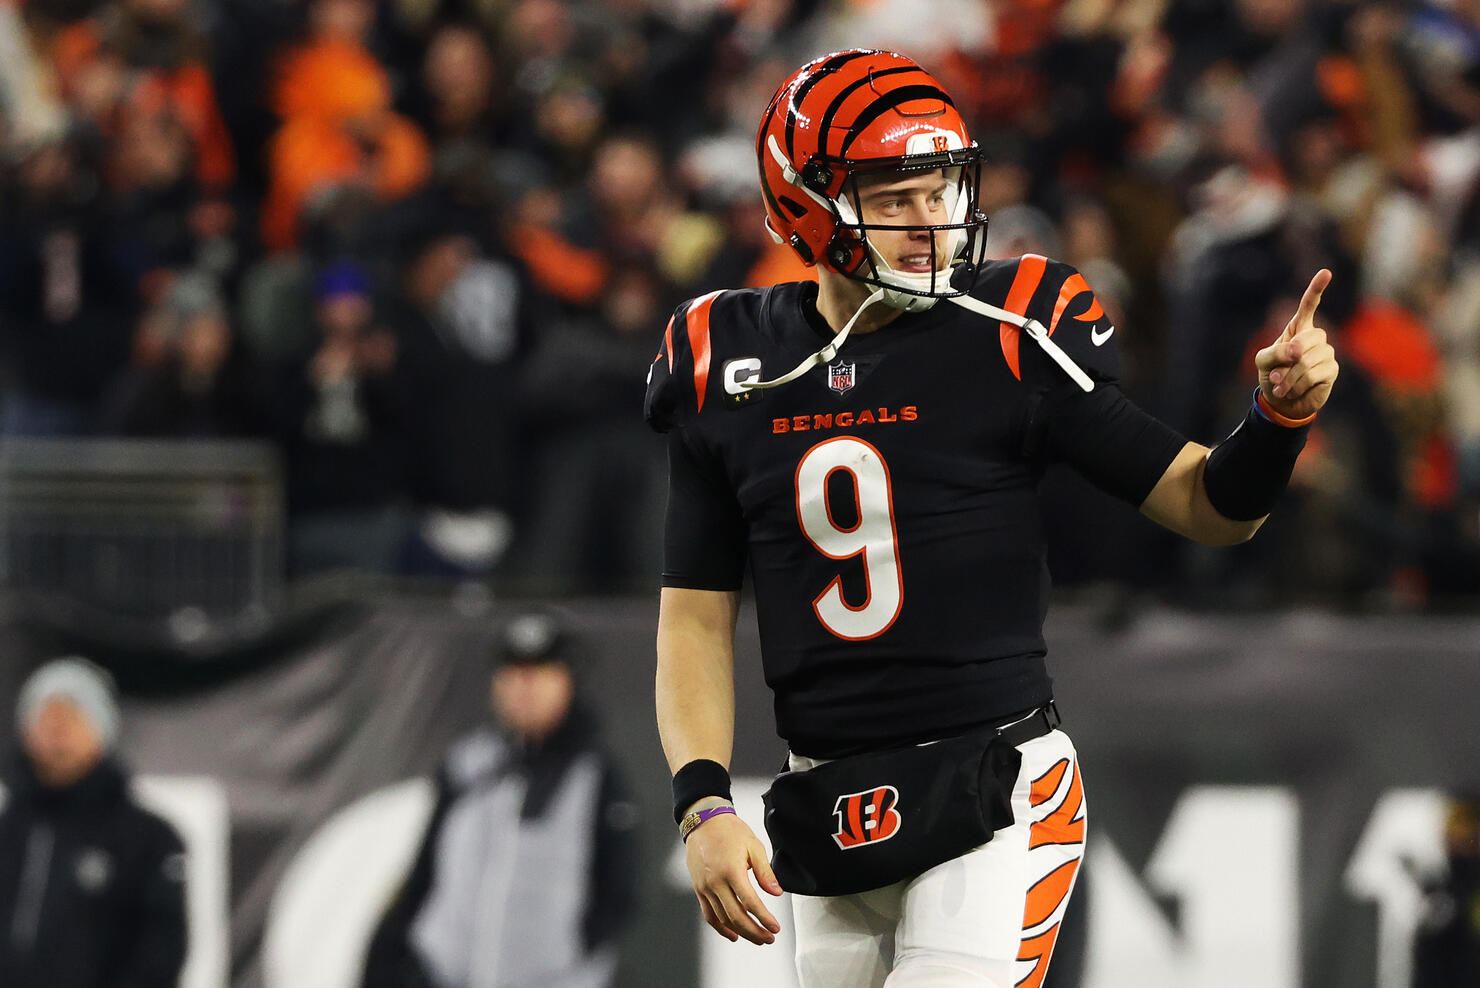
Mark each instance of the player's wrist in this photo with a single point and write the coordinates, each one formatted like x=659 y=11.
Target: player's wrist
x=1266 y=410
x=707 y=803
x=696 y=818
x=698 y=780
x=1246 y=473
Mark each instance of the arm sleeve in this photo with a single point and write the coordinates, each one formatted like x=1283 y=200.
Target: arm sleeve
x=157 y=948
x=1113 y=443
x=704 y=541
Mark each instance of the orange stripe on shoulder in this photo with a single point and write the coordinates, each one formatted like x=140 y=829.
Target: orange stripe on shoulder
x=697 y=319
x=1075 y=286
x=668 y=344
x=1024 y=284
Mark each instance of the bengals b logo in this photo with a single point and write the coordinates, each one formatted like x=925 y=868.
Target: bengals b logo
x=866 y=817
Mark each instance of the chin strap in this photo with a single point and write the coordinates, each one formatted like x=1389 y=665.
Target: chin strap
x=1033 y=328
x=821 y=356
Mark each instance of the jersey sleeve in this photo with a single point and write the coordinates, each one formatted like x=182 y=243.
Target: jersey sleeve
x=662 y=406
x=1076 y=321
x=1112 y=442
x=678 y=377
x=704 y=538
x=705 y=534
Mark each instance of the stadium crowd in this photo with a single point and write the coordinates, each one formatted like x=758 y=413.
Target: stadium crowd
x=427 y=247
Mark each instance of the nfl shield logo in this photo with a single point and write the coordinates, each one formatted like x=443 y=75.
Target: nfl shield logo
x=840 y=377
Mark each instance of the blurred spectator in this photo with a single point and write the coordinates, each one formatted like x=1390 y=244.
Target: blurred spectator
x=567 y=122
x=581 y=536
x=1446 y=951
x=1226 y=266
x=626 y=213
x=162 y=220
x=1184 y=154
x=529 y=867
x=338 y=126
x=461 y=87
x=66 y=306
x=562 y=266
x=464 y=318
x=277 y=291
x=344 y=417
x=1443 y=44
x=188 y=379
x=91 y=885
x=144 y=58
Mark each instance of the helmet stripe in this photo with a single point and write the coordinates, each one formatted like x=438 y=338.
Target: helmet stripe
x=822 y=72
x=884 y=104
x=793 y=207
x=849 y=90
x=760 y=143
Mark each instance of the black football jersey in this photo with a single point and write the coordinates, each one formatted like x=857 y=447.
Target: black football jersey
x=885 y=503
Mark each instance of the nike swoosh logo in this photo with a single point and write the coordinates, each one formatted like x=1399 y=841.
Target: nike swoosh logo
x=1098 y=338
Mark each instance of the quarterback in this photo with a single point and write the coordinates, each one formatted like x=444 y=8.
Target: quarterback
x=869 y=448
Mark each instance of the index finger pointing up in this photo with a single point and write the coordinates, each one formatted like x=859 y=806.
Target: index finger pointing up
x=1312 y=296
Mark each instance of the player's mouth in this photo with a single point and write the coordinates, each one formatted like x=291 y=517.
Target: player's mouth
x=915 y=263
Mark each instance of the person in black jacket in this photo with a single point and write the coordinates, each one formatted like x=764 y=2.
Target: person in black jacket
x=528 y=868
x=91 y=884
x=1446 y=949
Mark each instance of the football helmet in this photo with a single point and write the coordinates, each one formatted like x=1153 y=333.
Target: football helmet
x=850 y=115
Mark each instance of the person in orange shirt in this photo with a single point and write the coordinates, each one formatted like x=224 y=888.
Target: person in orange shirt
x=338 y=127
x=140 y=58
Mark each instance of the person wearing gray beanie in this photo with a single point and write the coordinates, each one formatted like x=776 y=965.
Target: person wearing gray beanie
x=62 y=689
x=91 y=883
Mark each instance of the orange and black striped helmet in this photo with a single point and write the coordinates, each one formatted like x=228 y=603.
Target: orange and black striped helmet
x=855 y=112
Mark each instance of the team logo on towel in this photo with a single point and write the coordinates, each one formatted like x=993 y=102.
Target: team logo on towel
x=866 y=817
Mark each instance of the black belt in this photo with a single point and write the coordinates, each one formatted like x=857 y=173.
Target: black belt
x=1038 y=723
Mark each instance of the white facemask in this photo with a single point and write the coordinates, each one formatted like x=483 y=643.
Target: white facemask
x=914 y=282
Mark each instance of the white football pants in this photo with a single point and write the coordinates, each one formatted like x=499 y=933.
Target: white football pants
x=988 y=918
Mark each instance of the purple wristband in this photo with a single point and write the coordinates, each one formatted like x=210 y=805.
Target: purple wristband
x=692 y=821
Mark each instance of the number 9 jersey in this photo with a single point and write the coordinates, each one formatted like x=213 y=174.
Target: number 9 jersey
x=886 y=502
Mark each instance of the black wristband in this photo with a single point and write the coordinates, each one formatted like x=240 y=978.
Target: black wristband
x=699 y=778
x=1248 y=471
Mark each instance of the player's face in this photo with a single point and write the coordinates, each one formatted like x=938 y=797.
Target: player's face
x=908 y=199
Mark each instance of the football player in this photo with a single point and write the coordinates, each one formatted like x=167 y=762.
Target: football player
x=869 y=447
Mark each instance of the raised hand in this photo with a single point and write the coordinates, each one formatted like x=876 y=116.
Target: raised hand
x=1297 y=370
